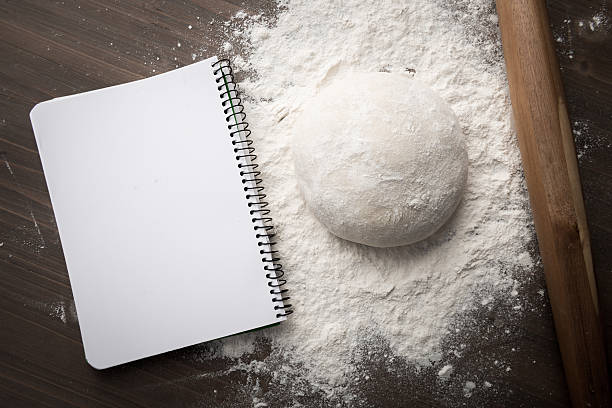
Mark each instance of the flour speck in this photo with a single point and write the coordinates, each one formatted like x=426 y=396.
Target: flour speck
x=468 y=388
x=445 y=372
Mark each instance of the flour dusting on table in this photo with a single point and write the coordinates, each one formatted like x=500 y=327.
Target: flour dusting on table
x=347 y=295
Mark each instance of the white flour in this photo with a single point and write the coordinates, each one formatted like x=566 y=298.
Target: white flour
x=342 y=292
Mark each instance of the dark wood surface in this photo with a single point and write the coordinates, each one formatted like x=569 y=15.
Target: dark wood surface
x=55 y=48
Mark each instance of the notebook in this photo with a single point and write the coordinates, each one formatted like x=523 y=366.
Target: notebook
x=161 y=213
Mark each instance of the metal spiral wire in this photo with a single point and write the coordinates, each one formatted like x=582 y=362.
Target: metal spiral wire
x=245 y=155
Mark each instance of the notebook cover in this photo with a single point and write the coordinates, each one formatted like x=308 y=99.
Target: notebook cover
x=156 y=232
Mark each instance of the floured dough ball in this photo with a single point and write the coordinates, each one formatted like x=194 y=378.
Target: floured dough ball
x=380 y=159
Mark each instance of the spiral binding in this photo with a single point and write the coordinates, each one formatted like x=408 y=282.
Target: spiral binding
x=245 y=155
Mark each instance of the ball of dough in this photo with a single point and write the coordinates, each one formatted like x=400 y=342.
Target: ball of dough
x=380 y=159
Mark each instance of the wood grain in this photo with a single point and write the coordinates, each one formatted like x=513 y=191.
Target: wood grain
x=55 y=48
x=551 y=169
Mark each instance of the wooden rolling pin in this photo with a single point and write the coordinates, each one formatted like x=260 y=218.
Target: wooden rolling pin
x=551 y=169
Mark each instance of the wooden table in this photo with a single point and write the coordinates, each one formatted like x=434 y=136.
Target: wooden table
x=55 y=48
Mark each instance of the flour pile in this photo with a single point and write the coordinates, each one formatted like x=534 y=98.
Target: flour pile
x=343 y=292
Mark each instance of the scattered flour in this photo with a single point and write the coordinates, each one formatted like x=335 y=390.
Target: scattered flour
x=227 y=47
x=588 y=140
x=241 y=14
x=63 y=311
x=445 y=372
x=58 y=311
x=343 y=292
x=599 y=21
x=468 y=388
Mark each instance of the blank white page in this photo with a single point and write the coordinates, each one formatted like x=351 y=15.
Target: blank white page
x=155 y=227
